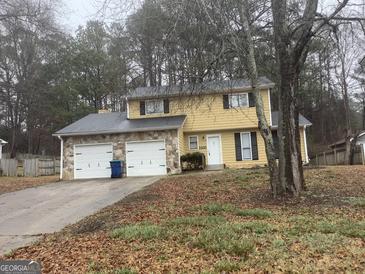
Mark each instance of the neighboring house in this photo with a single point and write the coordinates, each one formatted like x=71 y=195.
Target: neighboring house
x=2 y=143
x=163 y=123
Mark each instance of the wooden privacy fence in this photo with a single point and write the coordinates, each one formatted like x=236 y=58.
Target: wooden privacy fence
x=8 y=167
x=337 y=157
x=29 y=167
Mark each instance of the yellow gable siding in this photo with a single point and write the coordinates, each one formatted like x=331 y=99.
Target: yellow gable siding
x=206 y=112
x=228 y=147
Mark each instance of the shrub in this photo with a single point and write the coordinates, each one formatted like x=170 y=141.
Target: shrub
x=193 y=161
x=142 y=231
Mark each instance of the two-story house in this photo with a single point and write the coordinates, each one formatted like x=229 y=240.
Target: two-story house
x=162 y=123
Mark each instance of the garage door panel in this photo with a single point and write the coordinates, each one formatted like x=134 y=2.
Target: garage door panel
x=146 y=158
x=92 y=161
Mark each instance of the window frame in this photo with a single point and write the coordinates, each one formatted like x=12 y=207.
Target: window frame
x=197 y=142
x=242 y=147
x=161 y=101
x=238 y=94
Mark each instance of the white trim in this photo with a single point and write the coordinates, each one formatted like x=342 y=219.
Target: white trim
x=249 y=134
x=178 y=146
x=61 y=158
x=197 y=142
x=269 y=93
x=305 y=145
x=238 y=94
x=220 y=144
x=144 y=141
x=93 y=144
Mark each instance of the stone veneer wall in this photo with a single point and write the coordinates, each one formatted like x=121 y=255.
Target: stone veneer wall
x=118 y=141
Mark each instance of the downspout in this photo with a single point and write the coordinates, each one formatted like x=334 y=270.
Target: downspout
x=61 y=157
x=270 y=114
x=305 y=145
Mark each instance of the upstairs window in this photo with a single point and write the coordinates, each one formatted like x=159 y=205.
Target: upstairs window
x=193 y=142
x=238 y=100
x=154 y=106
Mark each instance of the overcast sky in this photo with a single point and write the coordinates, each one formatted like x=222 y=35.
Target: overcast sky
x=77 y=12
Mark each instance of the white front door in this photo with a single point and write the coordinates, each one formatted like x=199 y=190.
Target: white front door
x=92 y=161
x=214 y=150
x=146 y=158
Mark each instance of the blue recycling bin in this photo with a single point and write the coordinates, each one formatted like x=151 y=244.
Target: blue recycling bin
x=116 y=167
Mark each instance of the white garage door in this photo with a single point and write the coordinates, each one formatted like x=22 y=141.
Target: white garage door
x=92 y=161
x=146 y=158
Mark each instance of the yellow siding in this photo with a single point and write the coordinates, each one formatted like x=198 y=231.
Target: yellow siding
x=206 y=112
x=228 y=147
x=181 y=141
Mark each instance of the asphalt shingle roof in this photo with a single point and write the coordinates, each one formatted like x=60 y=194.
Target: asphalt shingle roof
x=210 y=87
x=117 y=122
x=302 y=120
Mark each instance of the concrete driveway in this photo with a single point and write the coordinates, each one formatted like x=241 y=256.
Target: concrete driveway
x=28 y=213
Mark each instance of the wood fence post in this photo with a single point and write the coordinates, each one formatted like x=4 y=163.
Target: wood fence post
x=317 y=161
x=324 y=158
x=363 y=153
x=54 y=165
x=36 y=167
x=335 y=155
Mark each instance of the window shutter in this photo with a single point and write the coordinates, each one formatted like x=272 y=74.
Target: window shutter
x=166 y=105
x=251 y=100
x=142 y=108
x=255 y=153
x=225 y=101
x=237 y=140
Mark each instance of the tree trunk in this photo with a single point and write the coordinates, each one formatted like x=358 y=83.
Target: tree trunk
x=263 y=125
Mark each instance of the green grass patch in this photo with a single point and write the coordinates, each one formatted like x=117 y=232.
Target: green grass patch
x=357 y=201
x=227 y=266
x=125 y=271
x=142 y=231
x=353 y=229
x=300 y=224
x=200 y=221
x=226 y=238
x=256 y=227
x=254 y=212
x=215 y=208
x=322 y=243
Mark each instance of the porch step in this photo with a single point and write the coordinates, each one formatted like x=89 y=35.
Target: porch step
x=214 y=167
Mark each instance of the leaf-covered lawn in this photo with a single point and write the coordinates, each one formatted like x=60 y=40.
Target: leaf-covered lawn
x=216 y=222
x=10 y=184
